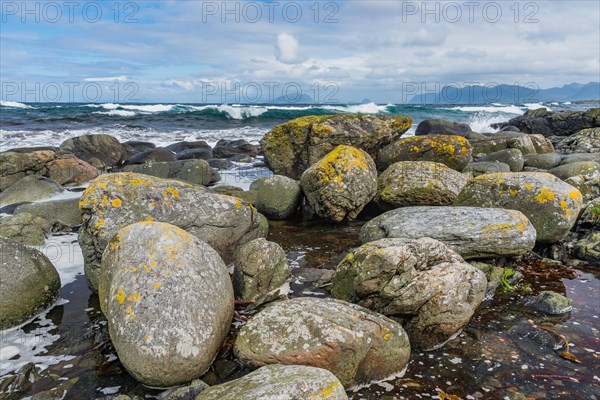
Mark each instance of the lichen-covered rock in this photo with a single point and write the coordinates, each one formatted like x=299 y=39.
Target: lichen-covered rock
x=260 y=268
x=550 y=204
x=588 y=185
x=408 y=183
x=25 y=228
x=453 y=151
x=192 y=171
x=30 y=188
x=292 y=147
x=91 y=148
x=588 y=247
x=542 y=161
x=357 y=345
x=168 y=300
x=280 y=382
x=586 y=169
x=423 y=281
x=113 y=201
x=511 y=157
x=188 y=392
x=485 y=167
x=278 y=197
x=62 y=212
x=340 y=184
x=29 y=283
x=584 y=141
x=503 y=141
x=549 y=302
x=249 y=196
x=472 y=232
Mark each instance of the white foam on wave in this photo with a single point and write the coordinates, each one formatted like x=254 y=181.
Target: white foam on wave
x=535 y=106
x=369 y=108
x=235 y=112
x=507 y=109
x=13 y=104
x=119 y=113
x=483 y=123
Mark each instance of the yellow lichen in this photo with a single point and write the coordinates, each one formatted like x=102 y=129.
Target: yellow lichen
x=545 y=195
x=116 y=203
x=327 y=392
x=120 y=296
x=156 y=285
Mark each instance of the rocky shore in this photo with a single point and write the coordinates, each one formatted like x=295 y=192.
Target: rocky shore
x=184 y=268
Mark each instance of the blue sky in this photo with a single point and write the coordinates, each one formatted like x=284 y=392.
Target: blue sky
x=214 y=51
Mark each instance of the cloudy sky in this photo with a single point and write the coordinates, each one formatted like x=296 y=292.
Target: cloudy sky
x=210 y=51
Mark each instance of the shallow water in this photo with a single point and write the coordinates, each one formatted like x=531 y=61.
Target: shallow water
x=496 y=353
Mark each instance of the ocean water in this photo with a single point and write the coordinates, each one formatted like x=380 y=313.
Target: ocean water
x=49 y=124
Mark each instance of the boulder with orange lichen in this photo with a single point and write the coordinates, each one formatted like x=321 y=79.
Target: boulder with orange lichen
x=421 y=281
x=357 y=345
x=453 y=151
x=292 y=147
x=113 y=201
x=277 y=382
x=168 y=300
x=339 y=185
x=551 y=204
x=472 y=232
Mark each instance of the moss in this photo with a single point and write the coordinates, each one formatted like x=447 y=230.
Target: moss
x=505 y=280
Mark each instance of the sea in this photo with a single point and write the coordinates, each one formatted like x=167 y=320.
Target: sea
x=49 y=124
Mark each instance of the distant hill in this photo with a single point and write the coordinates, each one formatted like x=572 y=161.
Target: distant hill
x=509 y=94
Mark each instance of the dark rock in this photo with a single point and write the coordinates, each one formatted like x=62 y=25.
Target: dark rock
x=229 y=148
x=181 y=146
x=153 y=155
x=192 y=171
x=195 y=154
x=442 y=127
x=559 y=123
x=105 y=148
x=25 y=228
x=220 y=163
x=136 y=146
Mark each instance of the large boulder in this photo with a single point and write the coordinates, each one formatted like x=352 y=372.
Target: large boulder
x=357 y=345
x=62 y=212
x=587 y=169
x=182 y=146
x=192 y=171
x=25 y=228
x=113 y=201
x=260 y=268
x=292 y=147
x=278 y=196
x=422 y=281
x=502 y=141
x=542 y=161
x=280 y=382
x=408 y=183
x=579 y=157
x=230 y=148
x=195 y=154
x=158 y=154
x=511 y=157
x=442 y=127
x=63 y=168
x=453 y=151
x=559 y=123
x=584 y=141
x=168 y=300
x=30 y=188
x=550 y=204
x=29 y=283
x=91 y=148
x=339 y=185
x=470 y=231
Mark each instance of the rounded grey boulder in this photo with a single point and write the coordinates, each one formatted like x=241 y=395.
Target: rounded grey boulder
x=280 y=382
x=260 y=268
x=408 y=183
x=340 y=185
x=29 y=283
x=550 y=204
x=355 y=344
x=168 y=300
x=113 y=201
x=472 y=232
x=542 y=161
x=278 y=197
x=30 y=188
x=422 y=281
x=511 y=157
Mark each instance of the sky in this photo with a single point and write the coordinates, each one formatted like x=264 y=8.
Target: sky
x=255 y=51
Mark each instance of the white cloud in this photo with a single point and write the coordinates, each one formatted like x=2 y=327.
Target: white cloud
x=286 y=50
